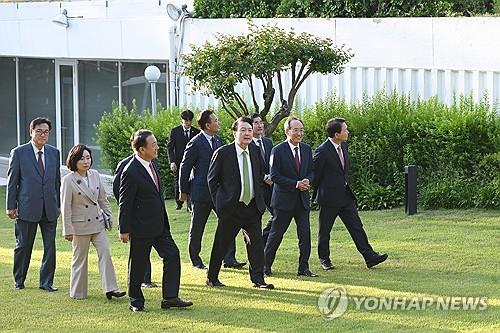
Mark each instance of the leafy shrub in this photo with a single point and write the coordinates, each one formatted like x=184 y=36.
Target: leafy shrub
x=456 y=148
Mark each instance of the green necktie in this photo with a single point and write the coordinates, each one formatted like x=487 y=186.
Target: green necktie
x=246 y=179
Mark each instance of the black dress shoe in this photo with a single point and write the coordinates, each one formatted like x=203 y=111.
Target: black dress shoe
x=376 y=259
x=235 y=264
x=179 y=207
x=200 y=266
x=327 y=265
x=136 y=308
x=115 y=293
x=175 y=303
x=149 y=285
x=49 y=288
x=263 y=285
x=268 y=271
x=307 y=273
x=215 y=284
x=19 y=286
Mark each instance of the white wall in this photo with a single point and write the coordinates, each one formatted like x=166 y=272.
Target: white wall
x=115 y=29
x=419 y=56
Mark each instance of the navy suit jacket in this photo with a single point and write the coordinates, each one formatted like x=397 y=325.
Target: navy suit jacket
x=330 y=179
x=27 y=189
x=142 y=206
x=193 y=170
x=285 y=177
x=224 y=179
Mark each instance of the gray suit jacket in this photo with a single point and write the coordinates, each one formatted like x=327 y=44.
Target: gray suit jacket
x=81 y=204
x=27 y=189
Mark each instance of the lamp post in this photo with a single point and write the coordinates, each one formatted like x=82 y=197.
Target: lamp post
x=152 y=74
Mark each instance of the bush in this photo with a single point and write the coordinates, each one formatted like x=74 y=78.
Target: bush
x=455 y=148
x=114 y=132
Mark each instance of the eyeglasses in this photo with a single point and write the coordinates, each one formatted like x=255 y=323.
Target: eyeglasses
x=42 y=132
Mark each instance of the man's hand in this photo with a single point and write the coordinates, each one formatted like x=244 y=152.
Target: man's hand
x=267 y=180
x=173 y=167
x=183 y=197
x=125 y=237
x=68 y=237
x=12 y=213
x=303 y=185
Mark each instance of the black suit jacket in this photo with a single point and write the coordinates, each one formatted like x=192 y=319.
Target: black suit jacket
x=118 y=173
x=177 y=143
x=142 y=208
x=194 y=168
x=285 y=176
x=224 y=179
x=330 y=179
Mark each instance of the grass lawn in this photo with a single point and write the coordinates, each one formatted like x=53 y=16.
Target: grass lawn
x=435 y=253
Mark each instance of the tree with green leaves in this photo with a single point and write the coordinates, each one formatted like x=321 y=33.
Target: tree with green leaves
x=262 y=55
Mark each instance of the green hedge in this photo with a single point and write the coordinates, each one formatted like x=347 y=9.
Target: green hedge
x=335 y=8
x=456 y=148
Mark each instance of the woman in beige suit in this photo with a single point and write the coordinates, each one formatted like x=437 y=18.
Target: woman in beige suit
x=83 y=206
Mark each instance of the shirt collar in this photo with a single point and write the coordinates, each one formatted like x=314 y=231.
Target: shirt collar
x=240 y=150
x=143 y=161
x=334 y=144
x=186 y=129
x=36 y=150
x=292 y=147
x=207 y=136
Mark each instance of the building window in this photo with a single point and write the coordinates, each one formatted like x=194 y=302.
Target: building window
x=97 y=90
x=8 y=115
x=36 y=94
x=136 y=87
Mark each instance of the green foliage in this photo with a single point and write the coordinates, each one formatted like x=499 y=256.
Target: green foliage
x=335 y=8
x=115 y=128
x=455 y=149
x=257 y=58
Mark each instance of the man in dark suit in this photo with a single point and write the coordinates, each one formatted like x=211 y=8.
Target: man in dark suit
x=147 y=282
x=235 y=181
x=291 y=173
x=143 y=221
x=33 y=200
x=335 y=197
x=179 y=137
x=265 y=146
x=193 y=183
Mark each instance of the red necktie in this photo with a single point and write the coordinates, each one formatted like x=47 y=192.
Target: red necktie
x=341 y=156
x=214 y=143
x=155 y=177
x=297 y=160
x=40 y=163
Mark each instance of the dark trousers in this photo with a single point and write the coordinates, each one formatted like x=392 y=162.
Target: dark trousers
x=199 y=216
x=25 y=232
x=247 y=218
x=147 y=274
x=350 y=217
x=279 y=225
x=140 y=249
x=267 y=200
x=175 y=176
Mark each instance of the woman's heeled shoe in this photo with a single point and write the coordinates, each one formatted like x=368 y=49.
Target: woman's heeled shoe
x=115 y=293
